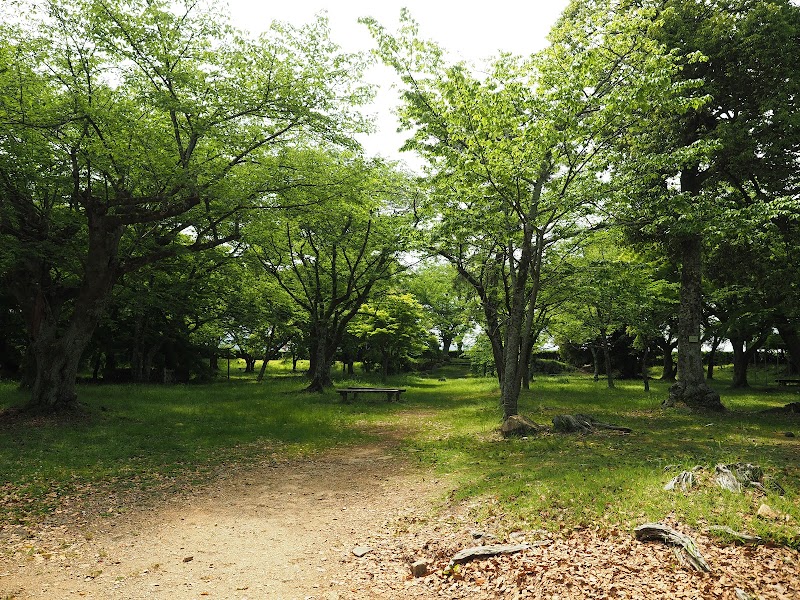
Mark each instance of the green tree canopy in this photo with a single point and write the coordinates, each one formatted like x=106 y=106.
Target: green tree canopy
x=133 y=130
x=333 y=244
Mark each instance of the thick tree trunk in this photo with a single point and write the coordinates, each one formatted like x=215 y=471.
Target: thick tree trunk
x=645 y=369
x=743 y=351
x=447 y=341
x=57 y=343
x=320 y=378
x=57 y=360
x=27 y=369
x=321 y=359
x=249 y=363
x=741 y=360
x=668 y=365
x=691 y=388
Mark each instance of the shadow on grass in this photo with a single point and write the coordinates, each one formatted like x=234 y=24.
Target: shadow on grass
x=142 y=433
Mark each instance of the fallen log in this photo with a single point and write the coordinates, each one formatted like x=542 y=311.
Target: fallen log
x=658 y=532
x=738 y=535
x=468 y=554
x=520 y=426
x=582 y=424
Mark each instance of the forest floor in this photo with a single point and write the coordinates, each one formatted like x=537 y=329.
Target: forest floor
x=288 y=530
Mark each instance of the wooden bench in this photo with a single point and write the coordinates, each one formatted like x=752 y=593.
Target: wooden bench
x=391 y=393
x=785 y=382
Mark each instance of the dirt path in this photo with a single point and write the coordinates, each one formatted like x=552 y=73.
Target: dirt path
x=288 y=531
x=280 y=532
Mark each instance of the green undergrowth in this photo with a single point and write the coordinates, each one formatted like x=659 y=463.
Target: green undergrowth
x=140 y=436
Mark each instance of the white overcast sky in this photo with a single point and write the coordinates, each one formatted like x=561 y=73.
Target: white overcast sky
x=470 y=30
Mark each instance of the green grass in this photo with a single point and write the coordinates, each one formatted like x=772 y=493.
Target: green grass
x=141 y=436
x=612 y=480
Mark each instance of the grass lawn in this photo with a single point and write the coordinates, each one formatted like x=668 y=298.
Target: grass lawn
x=155 y=437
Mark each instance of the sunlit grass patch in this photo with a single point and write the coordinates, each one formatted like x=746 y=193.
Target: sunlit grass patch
x=149 y=437
x=609 y=479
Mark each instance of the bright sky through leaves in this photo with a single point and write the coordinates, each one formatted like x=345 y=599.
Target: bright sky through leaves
x=471 y=31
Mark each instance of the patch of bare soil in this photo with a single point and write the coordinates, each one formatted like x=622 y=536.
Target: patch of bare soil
x=288 y=531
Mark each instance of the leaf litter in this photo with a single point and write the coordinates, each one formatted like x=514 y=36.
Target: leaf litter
x=288 y=530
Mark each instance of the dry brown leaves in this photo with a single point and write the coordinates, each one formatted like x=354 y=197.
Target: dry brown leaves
x=584 y=564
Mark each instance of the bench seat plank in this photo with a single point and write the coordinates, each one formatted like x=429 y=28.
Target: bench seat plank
x=391 y=393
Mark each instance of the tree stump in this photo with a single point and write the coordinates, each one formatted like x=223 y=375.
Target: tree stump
x=685 y=481
x=735 y=477
x=519 y=426
x=658 y=532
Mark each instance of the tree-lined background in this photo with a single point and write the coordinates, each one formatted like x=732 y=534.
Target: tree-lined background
x=174 y=192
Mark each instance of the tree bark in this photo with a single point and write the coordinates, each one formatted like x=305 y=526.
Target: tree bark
x=791 y=338
x=320 y=360
x=595 y=362
x=668 y=365
x=743 y=353
x=263 y=370
x=712 y=357
x=741 y=359
x=59 y=343
x=447 y=340
x=607 y=358
x=668 y=372
x=691 y=388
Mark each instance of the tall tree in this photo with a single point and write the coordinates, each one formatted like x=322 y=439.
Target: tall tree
x=393 y=327
x=335 y=243
x=138 y=129
x=718 y=165
x=514 y=153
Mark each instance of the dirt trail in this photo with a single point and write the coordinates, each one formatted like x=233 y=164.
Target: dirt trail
x=287 y=532
x=281 y=532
